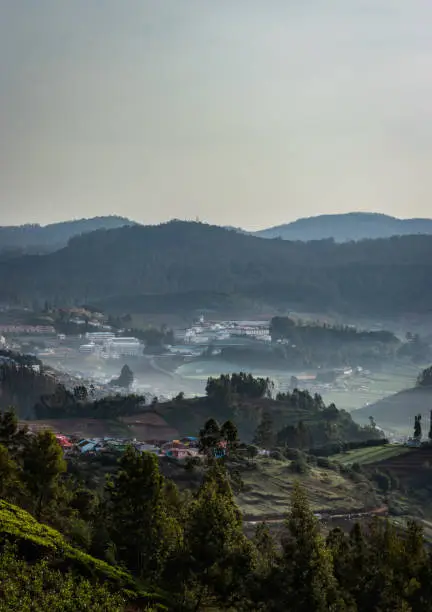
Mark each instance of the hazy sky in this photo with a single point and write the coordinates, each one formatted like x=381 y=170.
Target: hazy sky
x=239 y=112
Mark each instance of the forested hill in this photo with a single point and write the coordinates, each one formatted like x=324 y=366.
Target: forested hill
x=387 y=275
x=350 y=226
x=25 y=238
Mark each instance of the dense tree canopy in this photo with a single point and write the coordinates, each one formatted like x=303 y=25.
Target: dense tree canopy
x=22 y=387
x=181 y=259
x=227 y=386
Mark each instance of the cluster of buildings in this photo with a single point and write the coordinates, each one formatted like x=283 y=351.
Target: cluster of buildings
x=27 y=329
x=175 y=449
x=203 y=332
x=106 y=344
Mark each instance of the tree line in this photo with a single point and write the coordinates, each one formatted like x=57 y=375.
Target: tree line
x=22 y=386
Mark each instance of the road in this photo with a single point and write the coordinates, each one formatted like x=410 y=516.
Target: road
x=325 y=516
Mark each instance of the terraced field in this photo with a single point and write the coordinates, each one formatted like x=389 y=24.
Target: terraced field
x=415 y=463
x=373 y=454
x=413 y=496
x=268 y=488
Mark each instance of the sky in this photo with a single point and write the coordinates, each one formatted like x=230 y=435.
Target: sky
x=247 y=113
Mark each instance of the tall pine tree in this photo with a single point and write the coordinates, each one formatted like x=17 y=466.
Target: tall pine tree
x=42 y=466
x=140 y=525
x=304 y=578
x=217 y=559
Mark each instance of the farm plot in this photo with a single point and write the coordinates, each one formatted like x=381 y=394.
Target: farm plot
x=373 y=454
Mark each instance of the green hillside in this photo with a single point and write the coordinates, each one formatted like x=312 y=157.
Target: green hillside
x=35 y=541
x=188 y=416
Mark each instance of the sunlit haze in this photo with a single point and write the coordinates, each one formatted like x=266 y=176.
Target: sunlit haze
x=240 y=112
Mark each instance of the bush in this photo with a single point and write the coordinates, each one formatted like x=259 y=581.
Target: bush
x=327 y=464
x=277 y=455
x=382 y=480
x=323 y=462
x=236 y=481
x=357 y=478
x=192 y=462
x=299 y=466
x=290 y=453
x=395 y=508
x=311 y=459
x=294 y=454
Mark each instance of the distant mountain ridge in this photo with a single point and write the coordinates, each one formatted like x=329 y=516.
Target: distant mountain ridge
x=45 y=238
x=166 y=264
x=346 y=227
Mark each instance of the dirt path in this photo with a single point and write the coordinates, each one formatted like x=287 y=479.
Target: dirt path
x=324 y=515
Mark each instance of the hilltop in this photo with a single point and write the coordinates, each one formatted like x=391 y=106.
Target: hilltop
x=151 y=266
x=37 y=238
x=346 y=227
x=296 y=418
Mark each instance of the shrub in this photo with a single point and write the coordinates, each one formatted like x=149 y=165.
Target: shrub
x=294 y=454
x=277 y=455
x=299 y=466
x=323 y=462
x=192 y=462
x=382 y=480
x=311 y=459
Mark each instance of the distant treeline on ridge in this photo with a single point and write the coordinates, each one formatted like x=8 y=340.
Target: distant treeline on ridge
x=152 y=265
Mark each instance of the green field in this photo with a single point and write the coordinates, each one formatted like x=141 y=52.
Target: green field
x=372 y=454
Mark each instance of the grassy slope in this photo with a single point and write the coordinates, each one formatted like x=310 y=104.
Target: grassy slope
x=35 y=540
x=268 y=488
x=413 y=496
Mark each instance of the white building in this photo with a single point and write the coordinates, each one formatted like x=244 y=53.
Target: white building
x=253 y=332
x=88 y=349
x=127 y=347
x=99 y=337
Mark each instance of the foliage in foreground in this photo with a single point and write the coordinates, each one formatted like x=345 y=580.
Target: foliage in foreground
x=190 y=548
x=35 y=587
